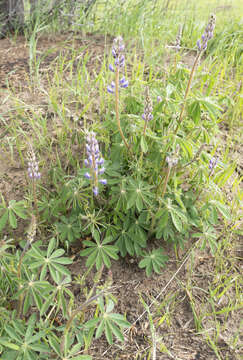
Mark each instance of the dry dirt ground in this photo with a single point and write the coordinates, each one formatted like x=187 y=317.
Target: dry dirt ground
x=169 y=291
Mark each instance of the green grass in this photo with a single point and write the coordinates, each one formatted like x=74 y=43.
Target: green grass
x=54 y=106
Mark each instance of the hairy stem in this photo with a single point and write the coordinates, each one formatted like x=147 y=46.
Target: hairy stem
x=75 y=313
x=117 y=109
x=187 y=91
x=35 y=198
x=167 y=176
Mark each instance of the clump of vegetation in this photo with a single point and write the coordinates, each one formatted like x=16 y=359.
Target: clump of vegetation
x=141 y=174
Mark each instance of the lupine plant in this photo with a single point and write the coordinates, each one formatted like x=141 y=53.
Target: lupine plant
x=143 y=197
x=159 y=188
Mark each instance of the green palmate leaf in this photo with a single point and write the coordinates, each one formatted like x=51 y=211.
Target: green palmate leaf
x=116 y=331
x=9 y=345
x=223 y=209
x=108 y=333
x=3 y=220
x=107 y=240
x=195 y=111
x=88 y=251
x=43 y=270
x=92 y=258
x=153 y=261
x=51 y=247
x=47 y=304
x=40 y=347
x=213 y=216
x=111 y=251
x=75 y=349
x=213 y=108
x=26 y=303
x=99 y=253
x=37 y=298
x=55 y=345
x=12 y=219
x=132 y=196
x=63 y=261
x=96 y=235
x=119 y=320
x=139 y=203
x=99 y=261
x=18 y=208
x=176 y=221
x=31 y=326
x=100 y=329
x=163 y=216
x=91 y=323
x=12 y=333
x=124 y=244
x=106 y=260
x=57 y=253
x=109 y=306
x=61 y=269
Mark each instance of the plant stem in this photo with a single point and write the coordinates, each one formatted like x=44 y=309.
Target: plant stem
x=117 y=109
x=35 y=198
x=167 y=176
x=75 y=313
x=166 y=181
x=187 y=91
x=145 y=127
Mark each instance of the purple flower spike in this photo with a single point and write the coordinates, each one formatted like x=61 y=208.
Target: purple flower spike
x=111 y=68
x=94 y=163
x=125 y=84
x=159 y=99
x=148 y=108
x=212 y=163
x=207 y=35
x=118 y=48
x=110 y=90
x=33 y=166
x=101 y=171
x=87 y=175
x=95 y=191
x=199 y=45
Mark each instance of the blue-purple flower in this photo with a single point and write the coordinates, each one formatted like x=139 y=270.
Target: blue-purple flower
x=207 y=35
x=148 y=107
x=33 y=166
x=94 y=162
x=212 y=164
x=118 y=48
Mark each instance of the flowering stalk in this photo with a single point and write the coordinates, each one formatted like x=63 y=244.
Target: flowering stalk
x=34 y=174
x=172 y=162
x=148 y=108
x=94 y=162
x=201 y=45
x=119 y=62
